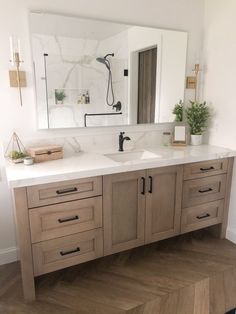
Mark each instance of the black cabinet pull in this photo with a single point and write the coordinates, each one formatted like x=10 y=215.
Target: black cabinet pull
x=205 y=191
x=64 y=191
x=70 y=252
x=68 y=219
x=203 y=216
x=207 y=169
x=150 y=187
x=143 y=186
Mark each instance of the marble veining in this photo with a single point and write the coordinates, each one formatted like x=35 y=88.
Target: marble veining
x=71 y=65
x=87 y=164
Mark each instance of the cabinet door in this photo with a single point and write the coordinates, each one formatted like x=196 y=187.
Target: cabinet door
x=124 y=211
x=163 y=203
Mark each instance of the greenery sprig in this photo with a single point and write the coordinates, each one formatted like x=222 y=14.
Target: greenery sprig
x=197 y=115
x=60 y=95
x=179 y=111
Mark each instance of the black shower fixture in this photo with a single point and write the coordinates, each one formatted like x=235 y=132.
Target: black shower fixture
x=104 y=60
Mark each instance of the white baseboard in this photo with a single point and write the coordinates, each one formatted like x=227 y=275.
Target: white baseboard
x=8 y=255
x=231 y=234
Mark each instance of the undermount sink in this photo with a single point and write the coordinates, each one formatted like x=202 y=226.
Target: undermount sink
x=132 y=156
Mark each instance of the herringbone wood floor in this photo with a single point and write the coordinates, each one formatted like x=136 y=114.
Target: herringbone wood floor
x=184 y=275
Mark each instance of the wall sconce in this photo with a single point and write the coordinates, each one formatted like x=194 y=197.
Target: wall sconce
x=192 y=81
x=17 y=77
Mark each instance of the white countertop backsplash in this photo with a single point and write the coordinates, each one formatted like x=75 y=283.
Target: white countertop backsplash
x=92 y=162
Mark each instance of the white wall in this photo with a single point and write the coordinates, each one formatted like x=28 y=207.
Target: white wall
x=185 y=15
x=220 y=74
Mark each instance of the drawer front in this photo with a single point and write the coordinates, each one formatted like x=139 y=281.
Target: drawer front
x=202 y=216
x=46 y=194
x=64 y=219
x=67 y=251
x=205 y=169
x=204 y=190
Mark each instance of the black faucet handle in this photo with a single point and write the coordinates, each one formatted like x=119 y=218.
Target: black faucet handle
x=122 y=133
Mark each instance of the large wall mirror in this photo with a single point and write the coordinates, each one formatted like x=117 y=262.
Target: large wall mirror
x=96 y=73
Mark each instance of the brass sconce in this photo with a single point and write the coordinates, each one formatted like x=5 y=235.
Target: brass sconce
x=17 y=77
x=192 y=81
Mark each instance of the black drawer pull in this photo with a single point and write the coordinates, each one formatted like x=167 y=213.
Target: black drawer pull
x=205 y=191
x=143 y=187
x=68 y=219
x=203 y=216
x=70 y=252
x=64 y=191
x=150 y=188
x=207 y=169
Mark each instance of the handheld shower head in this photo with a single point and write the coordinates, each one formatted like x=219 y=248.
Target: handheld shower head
x=101 y=60
x=104 y=60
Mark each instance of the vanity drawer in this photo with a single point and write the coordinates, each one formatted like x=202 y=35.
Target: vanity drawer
x=205 y=169
x=52 y=193
x=202 y=216
x=67 y=251
x=204 y=190
x=64 y=219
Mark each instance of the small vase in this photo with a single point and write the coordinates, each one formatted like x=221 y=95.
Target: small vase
x=196 y=140
x=59 y=102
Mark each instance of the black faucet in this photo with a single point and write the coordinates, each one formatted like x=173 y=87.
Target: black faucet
x=121 y=141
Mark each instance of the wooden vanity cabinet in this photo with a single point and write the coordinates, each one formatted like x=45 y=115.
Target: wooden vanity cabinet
x=206 y=194
x=123 y=211
x=66 y=223
x=163 y=203
x=141 y=207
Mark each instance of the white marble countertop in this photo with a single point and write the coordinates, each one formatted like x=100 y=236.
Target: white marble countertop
x=90 y=164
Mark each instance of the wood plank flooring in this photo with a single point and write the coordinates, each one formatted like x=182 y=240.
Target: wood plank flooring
x=184 y=275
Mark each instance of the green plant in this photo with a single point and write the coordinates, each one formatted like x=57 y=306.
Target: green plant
x=179 y=111
x=197 y=115
x=60 y=95
x=16 y=155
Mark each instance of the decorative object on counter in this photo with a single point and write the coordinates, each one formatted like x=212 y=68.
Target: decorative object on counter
x=197 y=115
x=46 y=153
x=59 y=96
x=28 y=161
x=166 y=138
x=17 y=77
x=15 y=151
x=180 y=136
x=178 y=111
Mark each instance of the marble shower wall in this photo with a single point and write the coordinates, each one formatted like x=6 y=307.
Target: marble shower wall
x=71 y=66
x=102 y=142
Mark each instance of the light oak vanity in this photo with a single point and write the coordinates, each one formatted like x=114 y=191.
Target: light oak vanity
x=65 y=223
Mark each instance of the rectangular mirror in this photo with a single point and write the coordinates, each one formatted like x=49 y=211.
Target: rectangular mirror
x=91 y=73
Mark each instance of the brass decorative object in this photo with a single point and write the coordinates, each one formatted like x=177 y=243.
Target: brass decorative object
x=17 y=77
x=15 y=151
x=192 y=81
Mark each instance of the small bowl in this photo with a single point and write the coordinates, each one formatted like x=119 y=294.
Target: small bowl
x=28 y=161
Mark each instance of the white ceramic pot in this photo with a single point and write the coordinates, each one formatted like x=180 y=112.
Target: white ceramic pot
x=196 y=140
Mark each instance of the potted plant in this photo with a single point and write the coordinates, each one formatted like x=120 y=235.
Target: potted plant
x=60 y=96
x=197 y=115
x=178 y=111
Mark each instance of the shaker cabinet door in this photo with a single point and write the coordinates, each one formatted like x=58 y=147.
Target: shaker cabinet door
x=163 y=203
x=124 y=211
